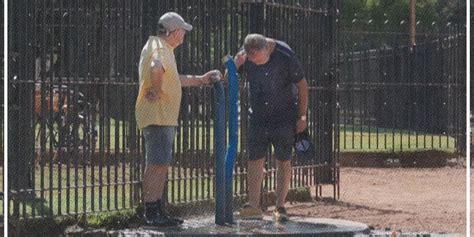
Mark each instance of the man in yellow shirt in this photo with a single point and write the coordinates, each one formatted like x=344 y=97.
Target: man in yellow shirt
x=157 y=109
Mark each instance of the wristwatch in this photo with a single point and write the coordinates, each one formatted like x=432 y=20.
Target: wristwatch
x=303 y=118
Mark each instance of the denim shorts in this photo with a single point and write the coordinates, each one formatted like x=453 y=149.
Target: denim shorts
x=260 y=137
x=158 y=144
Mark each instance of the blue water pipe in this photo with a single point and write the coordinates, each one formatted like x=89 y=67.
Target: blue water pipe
x=233 y=137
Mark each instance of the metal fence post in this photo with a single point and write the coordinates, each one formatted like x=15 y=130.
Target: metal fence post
x=256 y=16
x=13 y=144
x=219 y=144
x=21 y=120
x=328 y=96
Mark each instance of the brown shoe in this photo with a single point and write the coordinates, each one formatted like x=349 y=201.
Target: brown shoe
x=251 y=213
x=279 y=214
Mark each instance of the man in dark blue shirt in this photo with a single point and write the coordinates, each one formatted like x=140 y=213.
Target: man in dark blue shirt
x=278 y=107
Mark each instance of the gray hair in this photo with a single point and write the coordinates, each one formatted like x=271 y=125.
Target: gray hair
x=254 y=43
x=163 y=31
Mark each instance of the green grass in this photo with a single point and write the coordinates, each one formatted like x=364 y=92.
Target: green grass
x=54 y=196
x=91 y=194
x=57 y=226
x=192 y=188
x=67 y=199
x=387 y=140
x=352 y=139
x=106 y=133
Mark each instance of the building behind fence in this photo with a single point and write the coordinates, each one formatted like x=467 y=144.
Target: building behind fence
x=74 y=146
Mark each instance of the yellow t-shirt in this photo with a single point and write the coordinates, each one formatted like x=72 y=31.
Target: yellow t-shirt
x=165 y=110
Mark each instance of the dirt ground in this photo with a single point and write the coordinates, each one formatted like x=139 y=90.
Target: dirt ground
x=396 y=199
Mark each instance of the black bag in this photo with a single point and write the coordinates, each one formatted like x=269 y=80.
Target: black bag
x=304 y=147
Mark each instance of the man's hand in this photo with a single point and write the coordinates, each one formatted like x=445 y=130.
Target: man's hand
x=240 y=58
x=301 y=125
x=212 y=76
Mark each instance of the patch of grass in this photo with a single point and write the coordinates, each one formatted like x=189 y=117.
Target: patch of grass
x=366 y=139
x=91 y=190
x=300 y=195
x=59 y=225
x=113 y=220
x=111 y=133
x=197 y=136
x=69 y=190
x=41 y=227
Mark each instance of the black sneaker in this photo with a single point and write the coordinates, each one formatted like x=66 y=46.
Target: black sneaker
x=165 y=213
x=279 y=214
x=163 y=221
x=156 y=215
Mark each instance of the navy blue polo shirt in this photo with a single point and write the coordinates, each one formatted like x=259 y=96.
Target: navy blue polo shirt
x=273 y=93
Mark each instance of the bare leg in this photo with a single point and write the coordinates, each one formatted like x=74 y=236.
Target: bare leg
x=283 y=181
x=154 y=181
x=254 y=180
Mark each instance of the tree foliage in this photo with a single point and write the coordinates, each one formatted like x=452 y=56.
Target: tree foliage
x=393 y=15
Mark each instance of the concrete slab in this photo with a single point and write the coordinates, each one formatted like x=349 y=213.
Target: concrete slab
x=297 y=226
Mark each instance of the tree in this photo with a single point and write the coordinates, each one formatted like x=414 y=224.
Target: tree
x=393 y=15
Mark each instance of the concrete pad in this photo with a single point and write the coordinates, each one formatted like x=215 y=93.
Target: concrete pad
x=296 y=226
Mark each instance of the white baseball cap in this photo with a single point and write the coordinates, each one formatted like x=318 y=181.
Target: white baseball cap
x=172 y=21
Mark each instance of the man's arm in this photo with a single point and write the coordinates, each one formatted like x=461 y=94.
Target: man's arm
x=195 y=80
x=191 y=80
x=239 y=60
x=302 y=86
x=156 y=78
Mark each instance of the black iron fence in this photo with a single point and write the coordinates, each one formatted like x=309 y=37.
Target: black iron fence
x=2 y=138
x=396 y=97
x=74 y=146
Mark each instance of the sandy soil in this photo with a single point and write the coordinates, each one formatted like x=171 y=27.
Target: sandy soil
x=396 y=199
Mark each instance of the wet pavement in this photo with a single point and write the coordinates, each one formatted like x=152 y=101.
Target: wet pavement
x=296 y=226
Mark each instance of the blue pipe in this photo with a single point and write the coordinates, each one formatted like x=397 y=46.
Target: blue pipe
x=233 y=138
x=219 y=147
